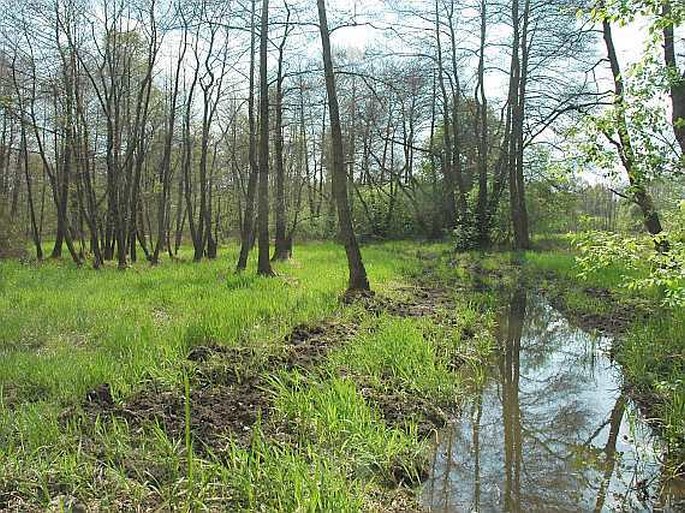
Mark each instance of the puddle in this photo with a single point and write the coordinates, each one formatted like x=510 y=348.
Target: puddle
x=550 y=431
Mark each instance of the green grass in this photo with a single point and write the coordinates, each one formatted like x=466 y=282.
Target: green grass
x=653 y=356
x=67 y=330
x=271 y=477
x=332 y=415
x=328 y=444
x=414 y=355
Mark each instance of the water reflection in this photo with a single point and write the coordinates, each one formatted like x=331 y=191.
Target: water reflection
x=551 y=431
x=510 y=373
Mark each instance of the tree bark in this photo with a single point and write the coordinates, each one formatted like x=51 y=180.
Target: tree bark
x=461 y=202
x=247 y=232
x=165 y=171
x=640 y=194
x=263 y=261
x=450 y=207
x=677 y=88
x=483 y=214
x=24 y=156
x=517 y=80
x=283 y=243
x=358 y=281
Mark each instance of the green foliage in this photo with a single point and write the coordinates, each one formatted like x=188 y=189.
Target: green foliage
x=465 y=237
x=644 y=268
x=384 y=213
x=652 y=355
x=649 y=127
x=644 y=104
x=551 y=209
x=12 y=243
x=675 y=218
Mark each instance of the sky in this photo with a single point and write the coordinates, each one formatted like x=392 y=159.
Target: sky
x=630 y=41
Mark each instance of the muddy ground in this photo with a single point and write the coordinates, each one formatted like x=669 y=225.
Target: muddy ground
x=230 y=395
x=615 y=320
x=228 y=389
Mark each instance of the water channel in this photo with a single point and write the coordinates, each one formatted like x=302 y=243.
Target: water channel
x=550 y=431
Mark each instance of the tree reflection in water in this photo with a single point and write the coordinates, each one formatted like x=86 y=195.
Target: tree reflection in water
x=550 y=431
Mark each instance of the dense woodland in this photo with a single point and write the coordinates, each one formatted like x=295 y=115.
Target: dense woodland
x=129 y=128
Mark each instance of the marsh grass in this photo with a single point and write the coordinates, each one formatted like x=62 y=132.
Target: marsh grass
x=66 y=331
x=332 y=416
x=275 y=477
x=653 y=356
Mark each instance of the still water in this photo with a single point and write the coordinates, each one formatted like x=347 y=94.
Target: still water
x=550 y=431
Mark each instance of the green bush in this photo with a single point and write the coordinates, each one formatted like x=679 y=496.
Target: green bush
x=644 y=268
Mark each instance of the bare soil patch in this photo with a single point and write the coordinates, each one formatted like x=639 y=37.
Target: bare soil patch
x=397 y=407
x=217 y=411
x=308 y=345
x=419 y=301
x=229 y=394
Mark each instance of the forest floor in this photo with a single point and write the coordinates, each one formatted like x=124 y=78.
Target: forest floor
x=187 y=387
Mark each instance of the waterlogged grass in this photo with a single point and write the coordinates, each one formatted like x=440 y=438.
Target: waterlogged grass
x=651 y=349
x=273 y=478
x=393 y=359
x=653 y=355
x=65 y=331
x=415 y=356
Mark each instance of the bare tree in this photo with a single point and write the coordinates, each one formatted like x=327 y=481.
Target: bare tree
x=248 y=226
x=358 y=281
x=263 y=261
x=283 y=243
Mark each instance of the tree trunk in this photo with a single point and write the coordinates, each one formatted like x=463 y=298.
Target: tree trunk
x=165 y=172
x=636 y=179
x=283 y=246
x=263 y=262
x=187 y=164
x=483 y=214
x=358 y=280
x=450 y=207
x=247 y=232
x=461 y=203
x=24 y=156
x=677 y=80
x=519 y=214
